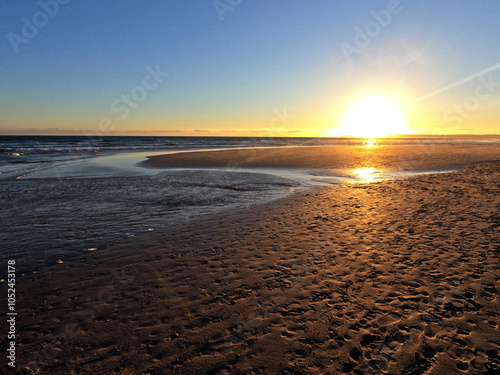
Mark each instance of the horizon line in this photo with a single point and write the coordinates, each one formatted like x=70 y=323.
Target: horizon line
x=248 y=136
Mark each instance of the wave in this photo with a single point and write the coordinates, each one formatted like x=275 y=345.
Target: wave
x=18 y=146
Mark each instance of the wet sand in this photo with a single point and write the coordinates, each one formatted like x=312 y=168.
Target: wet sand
x=396 y=158
x=396 y=277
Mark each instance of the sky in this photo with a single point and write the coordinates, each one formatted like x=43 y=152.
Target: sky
x=246 y=67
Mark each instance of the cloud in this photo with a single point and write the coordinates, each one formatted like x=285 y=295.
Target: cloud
x=83 y=132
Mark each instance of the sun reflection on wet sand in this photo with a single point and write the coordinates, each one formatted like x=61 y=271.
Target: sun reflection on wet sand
x=367 y=175
x=370 y=142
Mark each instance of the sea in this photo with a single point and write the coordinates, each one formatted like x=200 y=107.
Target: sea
x=63 y=196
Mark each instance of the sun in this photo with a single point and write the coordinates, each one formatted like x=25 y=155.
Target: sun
x=373 y=117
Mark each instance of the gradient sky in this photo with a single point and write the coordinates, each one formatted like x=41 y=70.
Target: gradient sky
x=257 y=67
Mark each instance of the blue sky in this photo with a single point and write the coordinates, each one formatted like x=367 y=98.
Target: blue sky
x=231 y=67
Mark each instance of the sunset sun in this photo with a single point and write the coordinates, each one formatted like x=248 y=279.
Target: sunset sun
x=373 y=117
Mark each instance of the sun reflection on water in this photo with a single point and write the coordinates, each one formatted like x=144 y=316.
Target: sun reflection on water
x=367 y=175
x=370 y=142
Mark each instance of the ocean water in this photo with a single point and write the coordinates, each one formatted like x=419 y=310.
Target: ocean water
x=26 y=155
x=64 y=196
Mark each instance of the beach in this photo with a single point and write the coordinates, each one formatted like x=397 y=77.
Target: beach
x=393 y=277
x=235 y=187
x=391 y=157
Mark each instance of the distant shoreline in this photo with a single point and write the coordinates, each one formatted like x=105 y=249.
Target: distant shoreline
x=142 y=134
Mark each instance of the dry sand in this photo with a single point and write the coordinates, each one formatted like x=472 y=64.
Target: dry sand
x=396 y=277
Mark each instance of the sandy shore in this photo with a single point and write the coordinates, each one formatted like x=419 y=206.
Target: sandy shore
x=397 y=277
x=421 y=157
